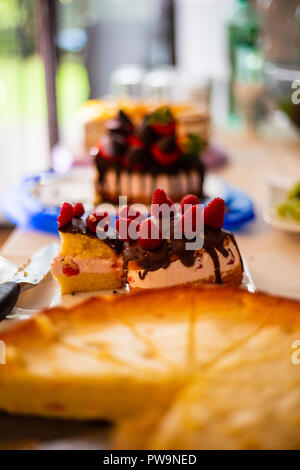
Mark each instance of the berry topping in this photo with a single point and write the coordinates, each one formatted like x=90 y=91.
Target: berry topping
x=129 y=212
x=150 y=237
x=71 y=270
x=162 y=121
x=127 y=229
x=166 y=151
x=189 y=200
x=78 y=209
x=214 y=214
x=125 y=161
x=160 y=197
x=146 y=134
x=109 y=148
x=134 y=141
x=136 y=157
x=190 y=221
x=93 y=219
x=120 y=125
x=91 y=222
x=66 y=214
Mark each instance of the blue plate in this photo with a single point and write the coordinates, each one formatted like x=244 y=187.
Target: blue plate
x=21 y=206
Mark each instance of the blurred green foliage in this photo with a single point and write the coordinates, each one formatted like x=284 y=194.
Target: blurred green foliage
x=22 y=76
x=18 y=25
x=25 y=88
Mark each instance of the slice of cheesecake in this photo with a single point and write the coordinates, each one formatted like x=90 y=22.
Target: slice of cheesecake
x=86 y=262
x=247 y=397
x=167 y=261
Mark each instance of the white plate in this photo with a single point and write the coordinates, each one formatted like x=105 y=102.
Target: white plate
x=276 y=193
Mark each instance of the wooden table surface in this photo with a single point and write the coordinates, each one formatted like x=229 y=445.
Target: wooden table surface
x=273 y=256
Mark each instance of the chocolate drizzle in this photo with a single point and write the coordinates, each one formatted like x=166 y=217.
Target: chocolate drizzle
x=120 y=125
x=79 y=226
x=162 y=257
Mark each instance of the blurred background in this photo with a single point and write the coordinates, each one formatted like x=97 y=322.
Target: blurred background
x=237 y=58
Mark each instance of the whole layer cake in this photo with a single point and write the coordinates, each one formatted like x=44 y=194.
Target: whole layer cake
x=133 y=160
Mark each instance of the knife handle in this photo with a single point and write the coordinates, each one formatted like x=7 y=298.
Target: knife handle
x=9 y=293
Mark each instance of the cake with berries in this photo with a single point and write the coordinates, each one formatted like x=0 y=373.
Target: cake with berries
x=159 y=258
x=133 y=160
x=94 y=114
x=87 y=261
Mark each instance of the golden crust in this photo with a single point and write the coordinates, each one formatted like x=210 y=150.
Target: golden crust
x=248 y=397
x=122 y=356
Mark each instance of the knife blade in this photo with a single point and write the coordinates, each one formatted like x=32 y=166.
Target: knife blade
x=26 y=277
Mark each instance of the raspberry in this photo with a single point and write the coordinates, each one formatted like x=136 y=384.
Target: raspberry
x=93 y=219
x=134 y=141
x=128 y=212
x=160 y=197
x=123 y=230
x=190 y=221
x=91 y=222
x=104 y=151
x=189 y=199
x=147 y=230
x=167 y=129
x=214 y=214
x=66 y=214
x=70 y=270
x=162 y=121
x=78 y=209
x=164 y=158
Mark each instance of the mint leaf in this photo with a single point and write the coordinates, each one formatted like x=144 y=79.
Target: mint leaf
x=161 y=116
x=194 y=145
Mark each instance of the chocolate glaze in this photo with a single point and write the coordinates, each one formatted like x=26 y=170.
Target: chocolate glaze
x=161 y=258
x=79 y=226
x=138 y=155
x=146 y=134
x=113 y=144
x=120 y=125
x=167 y=144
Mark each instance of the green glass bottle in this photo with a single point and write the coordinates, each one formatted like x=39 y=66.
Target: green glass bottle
x=243 y=28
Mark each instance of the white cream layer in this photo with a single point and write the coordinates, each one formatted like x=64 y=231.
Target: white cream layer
x=177 y=273
x=88 y=265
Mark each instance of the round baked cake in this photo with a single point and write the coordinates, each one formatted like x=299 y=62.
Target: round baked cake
x=133 y=161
